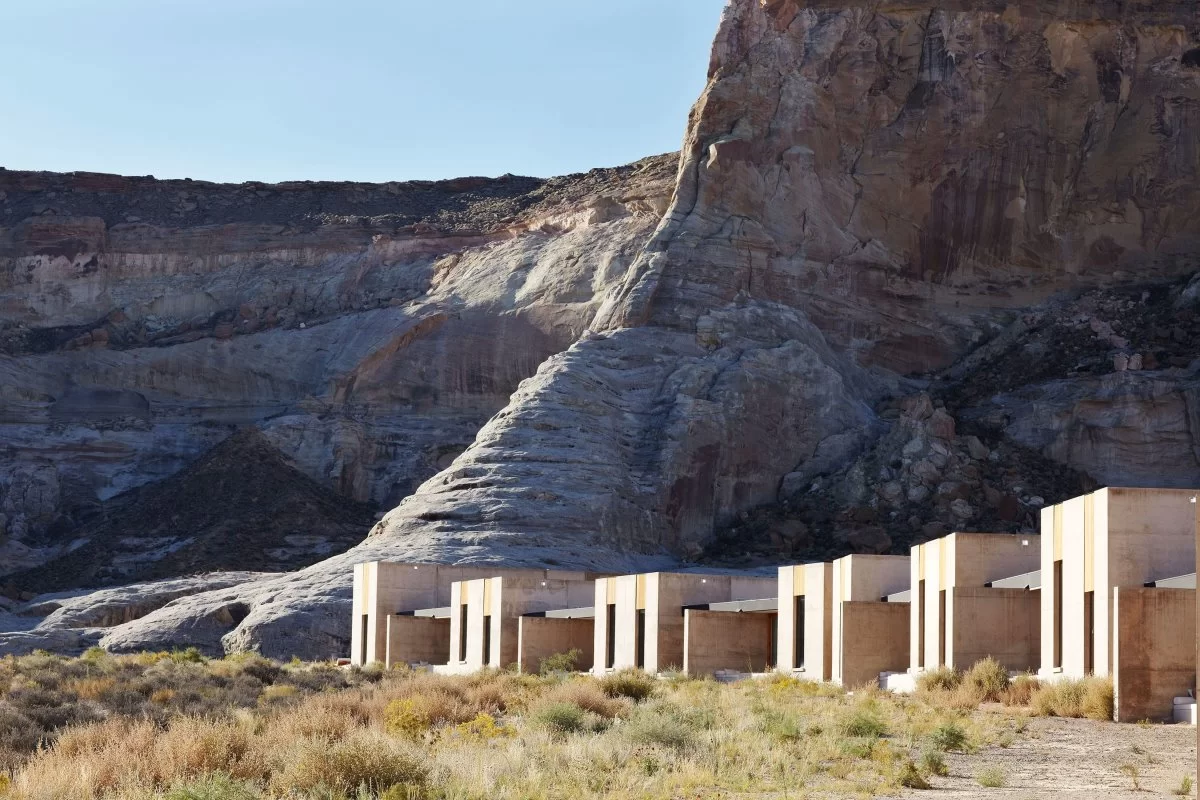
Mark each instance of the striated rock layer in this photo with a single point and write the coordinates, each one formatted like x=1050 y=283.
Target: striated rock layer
x=367 y=330
x=868 y=191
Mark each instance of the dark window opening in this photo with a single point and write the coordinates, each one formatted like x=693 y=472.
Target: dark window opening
x=942 y=628
x=365 y=628
x=1089 y=633
x=1058 y=614
x=487 y=641
x=610 y=639
x=921 y=625
x=798 y=633
x=641 y=639
x=462 y=632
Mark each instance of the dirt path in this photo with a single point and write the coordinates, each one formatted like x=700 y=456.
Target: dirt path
x=1058 y=758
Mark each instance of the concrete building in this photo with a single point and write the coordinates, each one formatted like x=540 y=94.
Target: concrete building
x=1117 y=565
x=663 y=620
x=974 y=595
x=401 y=612
x=489 y=617
x=805 y=628
x=870 y=618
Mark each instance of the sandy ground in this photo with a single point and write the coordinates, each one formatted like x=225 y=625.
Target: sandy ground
x=1056 y=758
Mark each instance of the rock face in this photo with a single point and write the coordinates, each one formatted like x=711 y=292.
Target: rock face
x=867 y=193
x=367 y=330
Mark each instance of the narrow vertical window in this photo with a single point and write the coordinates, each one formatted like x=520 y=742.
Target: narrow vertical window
x=1089 y=633
x=942 y=628
x=640 y=663
x=462 y=632
x=798 y=633
x=1058 y=614
x=487 y=640
x=365 y=628
x=921 y=625
x=610 y=639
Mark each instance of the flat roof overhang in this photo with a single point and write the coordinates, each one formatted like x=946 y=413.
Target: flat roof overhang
x=1027 y=580
x=1179 y=582
x=766 y=605
x=898 y=597
x=565 y=613
x=431 y=613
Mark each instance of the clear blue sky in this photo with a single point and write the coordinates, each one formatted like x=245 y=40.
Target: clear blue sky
x=369 y=90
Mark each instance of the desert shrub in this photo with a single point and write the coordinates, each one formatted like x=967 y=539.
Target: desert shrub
x=911 y=778
x=279 y=693
x=932 y=763
x=406 y=717
x=560 y=662
x=941 y=679
x=631 y=683
x=989 y=678
x=658 y=727
x=782 y=725
x=948 y=737
x=991 y=778
x=561 y=718
x=482 y=728
x=588 y=696
x=1183 y=790
x=1020 y=691
x=218 y=786
x=364 y=759
x=1098 y=699
x=1090 y=697
x=863 y=723
x=18 y=732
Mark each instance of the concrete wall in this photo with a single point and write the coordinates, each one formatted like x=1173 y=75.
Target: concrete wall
x=813 y=582
x=723 y=640
x=1108 y=539
x=876 y=641
x=498 y=603
x=865 y=578
x=382 y=588
x=662 y=596
x=542 y=637
x=416 y=640
x=960 y=560
x=1003 y=624
x=1154 y=654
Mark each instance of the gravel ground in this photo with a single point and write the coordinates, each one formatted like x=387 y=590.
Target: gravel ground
x=1057 y=758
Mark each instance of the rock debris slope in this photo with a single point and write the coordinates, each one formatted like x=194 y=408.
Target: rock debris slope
x=870 y=195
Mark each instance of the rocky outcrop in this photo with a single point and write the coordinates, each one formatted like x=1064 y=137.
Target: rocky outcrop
x=867 y=193
x=367 y=330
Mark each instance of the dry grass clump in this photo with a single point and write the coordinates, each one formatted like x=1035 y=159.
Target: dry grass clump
x=1021 y=690
x=988 y=678
x=629 y=683
x=941 y=679
x=1090 y=697
x=419 y=736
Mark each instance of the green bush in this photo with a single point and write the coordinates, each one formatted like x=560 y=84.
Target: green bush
x=863 y=723
x=361 y=760
x=942 y=678
x=989 y=678
x=932 y=763
x=560 y=662
x=911 y=778
x=948 y=737
x=218 y=786
x=992 y=778
x=656 y=727
x=561 y=718
x=631 y=683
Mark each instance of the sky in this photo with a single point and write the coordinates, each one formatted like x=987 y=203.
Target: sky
x=369 y=90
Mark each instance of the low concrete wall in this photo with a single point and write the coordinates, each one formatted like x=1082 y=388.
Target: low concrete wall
x=1154 y=651
x=417 y=640
x=723 y=640
x=874 y=640
x=542 y=637
x=1004 y=624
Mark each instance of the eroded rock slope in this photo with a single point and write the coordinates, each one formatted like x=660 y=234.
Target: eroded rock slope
x=871 y=198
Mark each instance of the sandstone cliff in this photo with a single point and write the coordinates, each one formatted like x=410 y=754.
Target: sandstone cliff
x=872 y=201
x=367 y=330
